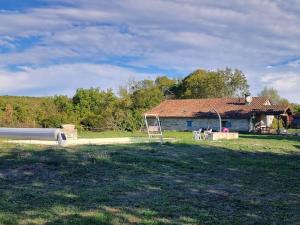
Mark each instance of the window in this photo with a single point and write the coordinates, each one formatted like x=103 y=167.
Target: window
x=189 y=124
x=226 y=123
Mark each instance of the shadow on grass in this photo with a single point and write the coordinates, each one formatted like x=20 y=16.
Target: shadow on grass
x=297 y=146
x=148 y=184
x=270 y=137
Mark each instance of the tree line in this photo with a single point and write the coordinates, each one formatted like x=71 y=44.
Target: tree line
x=98 y=109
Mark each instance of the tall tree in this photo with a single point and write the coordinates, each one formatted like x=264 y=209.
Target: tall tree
x=146 y=95
x=273 y=94
x=211 y=84
x=235 y=81
x=95 y=107
x=166 y=85
x=65 y=109
x=124 y=116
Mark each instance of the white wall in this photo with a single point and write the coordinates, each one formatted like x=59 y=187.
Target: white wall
x=267 y=119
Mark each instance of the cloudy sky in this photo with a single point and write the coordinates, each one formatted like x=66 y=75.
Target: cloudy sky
x=55 y=46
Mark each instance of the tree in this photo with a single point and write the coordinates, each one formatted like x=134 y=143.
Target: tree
x=63 y=104
x=235 y=81
x=296 y=108
x=124 y=115
x=136 y=98
x=23 y=116
x=65 y=109
x=146 y=95
x=273 y=94
x=211 y=84
x=8 y=115
x=92 y=104
x=48 y=115
x=166 y=86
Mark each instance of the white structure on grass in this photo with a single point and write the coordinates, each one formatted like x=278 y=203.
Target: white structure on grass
x=50 y=134
x=153 y=126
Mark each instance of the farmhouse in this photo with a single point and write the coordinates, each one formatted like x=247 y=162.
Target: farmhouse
x=237 y=114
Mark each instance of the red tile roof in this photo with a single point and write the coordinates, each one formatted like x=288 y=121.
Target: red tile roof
x=227 y=107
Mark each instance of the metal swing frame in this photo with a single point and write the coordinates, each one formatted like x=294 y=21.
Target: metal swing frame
x=219 y=117
x=154 y=130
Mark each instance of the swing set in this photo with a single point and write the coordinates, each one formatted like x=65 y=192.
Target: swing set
x=153 y=126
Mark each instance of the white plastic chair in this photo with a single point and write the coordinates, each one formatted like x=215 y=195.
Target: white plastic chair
x=197 y=134
x=207 y=134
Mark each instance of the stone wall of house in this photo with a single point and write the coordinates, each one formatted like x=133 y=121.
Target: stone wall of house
x=182 y=124
x=239 y=125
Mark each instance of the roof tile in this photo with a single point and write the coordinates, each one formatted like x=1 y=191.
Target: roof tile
x=227 y=107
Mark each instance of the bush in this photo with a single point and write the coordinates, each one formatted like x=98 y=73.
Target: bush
x=275 y=124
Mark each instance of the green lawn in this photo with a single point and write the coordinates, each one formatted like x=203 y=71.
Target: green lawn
x=110 y=134
x=252 y=180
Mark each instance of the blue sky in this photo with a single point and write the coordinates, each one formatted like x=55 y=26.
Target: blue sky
x=53 y=47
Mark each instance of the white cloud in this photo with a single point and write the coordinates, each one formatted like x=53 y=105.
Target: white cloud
x=294 y=63
x=285 y=81
x=177 y=35
x=65 y=79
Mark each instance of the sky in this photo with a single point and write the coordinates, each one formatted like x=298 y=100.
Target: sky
x=50 y=47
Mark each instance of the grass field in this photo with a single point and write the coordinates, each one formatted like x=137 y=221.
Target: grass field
x=252 y=180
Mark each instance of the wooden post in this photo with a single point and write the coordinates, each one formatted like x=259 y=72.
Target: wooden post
x=278 y=127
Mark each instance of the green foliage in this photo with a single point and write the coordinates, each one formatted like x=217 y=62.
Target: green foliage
x=19 y=111
x=146 y=95
x=95 y=108
x=275 y=123
x=8 y=115
x=166 y=85
x=296 y=108
x=138 y=98
x=48 y=115
x=89 y=108
x=104 y=110
x=63 y=104
x=235 y=81
x=211 y=84
x=274 y=96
